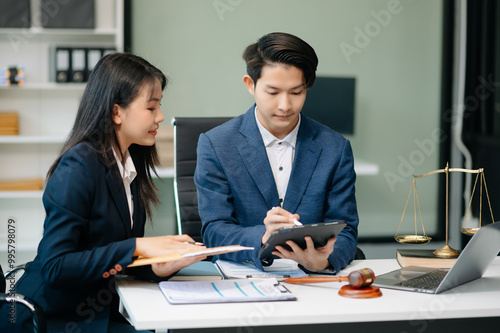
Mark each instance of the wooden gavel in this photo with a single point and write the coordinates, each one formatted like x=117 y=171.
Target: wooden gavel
x=357 y=279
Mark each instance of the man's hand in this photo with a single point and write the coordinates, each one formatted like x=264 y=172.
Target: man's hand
x=311 y=258
x=277 y=218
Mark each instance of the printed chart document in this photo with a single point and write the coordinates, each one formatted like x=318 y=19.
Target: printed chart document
x=280 y=269
x=224 y=291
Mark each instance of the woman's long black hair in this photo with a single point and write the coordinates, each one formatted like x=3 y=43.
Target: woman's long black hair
x=116 y=79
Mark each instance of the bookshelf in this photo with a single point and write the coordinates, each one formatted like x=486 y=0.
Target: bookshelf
x=46 y=113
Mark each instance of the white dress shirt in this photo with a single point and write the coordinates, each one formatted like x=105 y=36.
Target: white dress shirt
x=280 y=153
x=128 y=173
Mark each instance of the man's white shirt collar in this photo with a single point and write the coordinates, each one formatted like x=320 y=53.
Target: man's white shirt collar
x=268 y=138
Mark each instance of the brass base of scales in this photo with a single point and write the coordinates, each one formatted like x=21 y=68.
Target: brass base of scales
x=446 y=251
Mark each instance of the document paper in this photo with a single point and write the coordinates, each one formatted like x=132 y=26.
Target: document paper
x=280 y=269
x=190 y=292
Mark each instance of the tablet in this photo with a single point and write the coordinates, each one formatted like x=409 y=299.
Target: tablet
x=319 y=232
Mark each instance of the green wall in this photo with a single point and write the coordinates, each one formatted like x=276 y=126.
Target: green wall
x=393 y=48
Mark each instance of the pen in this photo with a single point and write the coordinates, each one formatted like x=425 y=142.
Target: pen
x=296 y=222
x=194 y=243
x=261 y=276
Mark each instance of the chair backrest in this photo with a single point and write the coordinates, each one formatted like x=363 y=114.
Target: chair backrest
x=186 y=134
x=15 y=299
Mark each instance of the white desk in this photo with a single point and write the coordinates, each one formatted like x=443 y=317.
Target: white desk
x=321 y=306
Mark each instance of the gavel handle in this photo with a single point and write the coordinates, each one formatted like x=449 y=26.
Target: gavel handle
x=316 y=279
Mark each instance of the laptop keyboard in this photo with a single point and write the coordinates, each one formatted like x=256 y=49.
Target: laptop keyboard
x=430 y=280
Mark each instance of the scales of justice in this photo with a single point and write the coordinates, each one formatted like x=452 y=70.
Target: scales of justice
x=446 y=251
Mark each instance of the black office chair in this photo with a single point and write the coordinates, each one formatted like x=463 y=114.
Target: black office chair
x=7 y=299
x=359 y=254
x=186 y=134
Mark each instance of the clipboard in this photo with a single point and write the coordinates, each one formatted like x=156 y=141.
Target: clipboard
x=142 y=261
x=224 y=291
x=319 y=232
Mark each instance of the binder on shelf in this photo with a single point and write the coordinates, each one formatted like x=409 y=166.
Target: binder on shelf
x=62 y=64
x=93 y=56
x=108 y=50
x=78 y=65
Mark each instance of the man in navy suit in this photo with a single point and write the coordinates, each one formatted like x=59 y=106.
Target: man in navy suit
x=272 y=166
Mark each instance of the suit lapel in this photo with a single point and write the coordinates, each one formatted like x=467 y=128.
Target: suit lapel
x=138 y=229
x=254 y=155
x=115 y=187
x=307 y=154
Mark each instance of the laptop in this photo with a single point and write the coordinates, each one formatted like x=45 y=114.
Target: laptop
x=470 y=265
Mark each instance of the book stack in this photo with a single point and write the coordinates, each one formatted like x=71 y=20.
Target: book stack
x=422 y=258
x=9 y=123
x=34 y=184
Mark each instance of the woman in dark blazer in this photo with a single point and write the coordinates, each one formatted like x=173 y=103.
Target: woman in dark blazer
x=97 y=198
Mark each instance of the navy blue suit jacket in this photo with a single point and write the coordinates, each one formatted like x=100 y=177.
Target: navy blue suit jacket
x=87 y=232
x=236 y=187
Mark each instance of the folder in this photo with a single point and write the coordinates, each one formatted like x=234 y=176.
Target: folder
x=62 y=64
x=141 y=261
x=93 y=56
x=78 y=64
x=224 y=291
x=201 y=270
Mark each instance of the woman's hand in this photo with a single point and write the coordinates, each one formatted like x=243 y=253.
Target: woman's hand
x=163 y=245
x=168 y=268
